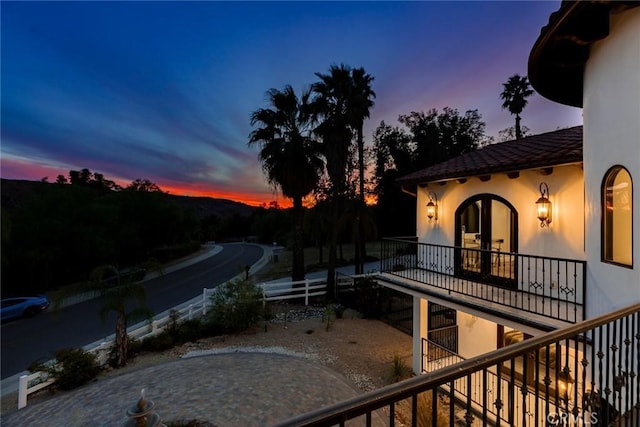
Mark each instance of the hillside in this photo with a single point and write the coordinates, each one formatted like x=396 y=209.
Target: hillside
x=207 y=206
x=15 y=191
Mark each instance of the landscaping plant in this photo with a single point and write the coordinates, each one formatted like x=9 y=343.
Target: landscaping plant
x=73 y=367
x=236 y=305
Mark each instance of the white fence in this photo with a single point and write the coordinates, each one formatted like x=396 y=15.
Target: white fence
x=38 y=380
x=270 y=292
x=289 y=290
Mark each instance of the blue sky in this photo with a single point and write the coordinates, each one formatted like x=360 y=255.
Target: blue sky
x=164 y=90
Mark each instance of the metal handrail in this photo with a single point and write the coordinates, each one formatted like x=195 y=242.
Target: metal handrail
x=366 y=403
x=550 y=287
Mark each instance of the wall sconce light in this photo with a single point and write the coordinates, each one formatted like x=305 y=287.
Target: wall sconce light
x=543 y=205
x=565 y=383
x=432 y=207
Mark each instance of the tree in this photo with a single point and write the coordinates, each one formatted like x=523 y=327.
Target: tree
x=331 y=104
x=290 y=155
x=359 y=104
x=118 y=291
x=514 y=95
x=394 y=152
x=143 y=185
x=439 y=136
x=430 y=138
x=509 y=134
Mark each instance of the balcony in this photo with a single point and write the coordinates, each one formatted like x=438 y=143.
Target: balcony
x=583 y=374
x=550 y=290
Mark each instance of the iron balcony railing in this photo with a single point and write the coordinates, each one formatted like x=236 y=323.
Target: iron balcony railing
x=584 y=374
x=549 y=287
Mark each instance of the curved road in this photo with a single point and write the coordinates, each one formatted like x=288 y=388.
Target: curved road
x=26 y=340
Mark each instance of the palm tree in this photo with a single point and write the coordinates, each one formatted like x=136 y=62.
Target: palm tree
x=290 y=156
x=331 y=103
x=359 y=104
x=117 y=290
x=515 y=93
x=116 y=298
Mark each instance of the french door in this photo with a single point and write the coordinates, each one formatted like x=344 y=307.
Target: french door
x=486 y=233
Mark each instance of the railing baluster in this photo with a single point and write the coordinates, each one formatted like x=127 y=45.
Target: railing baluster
x=484 y=401
x=550 y=287
x=452 y=404
x=414 y=410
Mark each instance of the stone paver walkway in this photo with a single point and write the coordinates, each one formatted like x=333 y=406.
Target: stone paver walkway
x=232 y=389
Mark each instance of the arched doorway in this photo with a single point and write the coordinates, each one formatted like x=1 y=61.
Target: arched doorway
x=487 y=235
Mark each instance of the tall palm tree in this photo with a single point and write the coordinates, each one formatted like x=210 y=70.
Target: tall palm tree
x=331 y=104
x=515 y=93
x=360 y=102
x=290 y=157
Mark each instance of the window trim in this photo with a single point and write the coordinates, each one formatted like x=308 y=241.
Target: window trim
x=610 y=175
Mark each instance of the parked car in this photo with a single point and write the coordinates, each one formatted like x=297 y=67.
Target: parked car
x=11 y=308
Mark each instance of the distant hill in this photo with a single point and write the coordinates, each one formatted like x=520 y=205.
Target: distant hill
x=14 y=191
x=207 y=206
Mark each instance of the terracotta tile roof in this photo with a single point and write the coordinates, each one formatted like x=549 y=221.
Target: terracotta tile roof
x=538 y=151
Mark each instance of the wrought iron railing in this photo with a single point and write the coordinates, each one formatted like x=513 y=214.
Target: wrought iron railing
x=551 y=287
x=585 y=374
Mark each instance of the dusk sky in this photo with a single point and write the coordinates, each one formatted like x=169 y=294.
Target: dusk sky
x=164 y=90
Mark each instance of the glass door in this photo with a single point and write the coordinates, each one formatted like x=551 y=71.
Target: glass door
x=486 y=234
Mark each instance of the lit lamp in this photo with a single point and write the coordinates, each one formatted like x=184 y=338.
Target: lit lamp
x=565 y=383
x=432 y=207
x=543 y=205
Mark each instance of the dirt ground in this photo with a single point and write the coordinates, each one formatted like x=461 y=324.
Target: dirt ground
x=360 y=349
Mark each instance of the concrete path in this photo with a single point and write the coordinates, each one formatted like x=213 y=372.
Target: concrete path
x=233 y=389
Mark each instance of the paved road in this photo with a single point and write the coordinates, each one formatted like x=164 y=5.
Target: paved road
x=26 y=340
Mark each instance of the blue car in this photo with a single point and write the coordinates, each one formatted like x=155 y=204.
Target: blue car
x=12 y=308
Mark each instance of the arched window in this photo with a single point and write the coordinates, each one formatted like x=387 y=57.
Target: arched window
x=617 y=223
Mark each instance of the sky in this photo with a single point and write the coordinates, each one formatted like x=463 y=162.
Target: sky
x=164 y=90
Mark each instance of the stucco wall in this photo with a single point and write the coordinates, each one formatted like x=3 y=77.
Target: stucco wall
x=612 y=137
x=565 y=236
x=476 y=336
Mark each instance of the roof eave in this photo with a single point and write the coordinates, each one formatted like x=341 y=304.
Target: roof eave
x=558 y=58
x=476 y=174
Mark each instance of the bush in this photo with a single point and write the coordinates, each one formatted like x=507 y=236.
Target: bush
x=162 y=341
x=73 y=367
x=236 y=305
x=399 y=370
x=176 y=333
x=370 y=297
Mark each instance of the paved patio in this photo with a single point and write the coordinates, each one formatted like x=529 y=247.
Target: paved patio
x=231 y=389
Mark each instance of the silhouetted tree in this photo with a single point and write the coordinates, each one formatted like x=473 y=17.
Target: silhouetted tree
x=331 y=105
x=514 y=95
x=290 y=155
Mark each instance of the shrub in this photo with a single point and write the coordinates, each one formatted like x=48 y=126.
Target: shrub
x=162 y=341
x=399 y=370
x=370 y=297
x=236 y=305
x=73 y=367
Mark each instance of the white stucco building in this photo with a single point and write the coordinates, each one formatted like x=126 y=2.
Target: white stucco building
x=486 y=269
